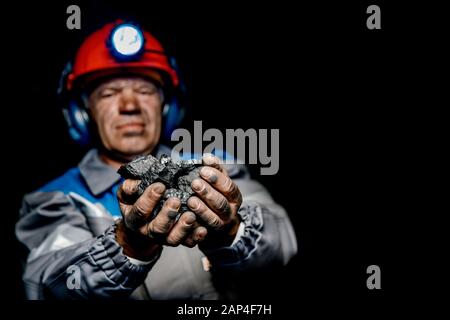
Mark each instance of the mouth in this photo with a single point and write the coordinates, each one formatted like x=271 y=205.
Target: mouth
x=131 y=126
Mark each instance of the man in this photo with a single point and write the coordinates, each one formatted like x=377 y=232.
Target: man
x=88 y=233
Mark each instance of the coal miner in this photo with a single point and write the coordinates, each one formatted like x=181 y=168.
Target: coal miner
x=101 y=230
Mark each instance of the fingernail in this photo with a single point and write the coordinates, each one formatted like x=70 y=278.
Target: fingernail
x=158 y=188
x=174 y=203
x=131 y=185
x=207 y=155
x=206 y=172
x=190 y=218
x=197 y=184
x=193 y=203
x=202 y=233
x=208 y=158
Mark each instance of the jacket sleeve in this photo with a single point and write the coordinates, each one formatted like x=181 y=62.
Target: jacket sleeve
x=65 y=260
x=268 y=238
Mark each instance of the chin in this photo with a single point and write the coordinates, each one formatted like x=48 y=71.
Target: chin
x=136 y=148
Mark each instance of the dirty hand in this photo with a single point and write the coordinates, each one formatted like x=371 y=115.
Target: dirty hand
x=142 y=235
x=216 y=204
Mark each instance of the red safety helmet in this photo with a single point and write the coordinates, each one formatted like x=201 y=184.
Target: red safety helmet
x=94 y=58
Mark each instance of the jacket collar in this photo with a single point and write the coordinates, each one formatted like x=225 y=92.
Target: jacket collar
x=99 y=176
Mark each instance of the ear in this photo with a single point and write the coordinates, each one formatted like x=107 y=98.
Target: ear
x=87 y=102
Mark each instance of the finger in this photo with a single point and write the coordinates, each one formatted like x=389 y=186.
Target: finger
x=213 y=161
x=222 y=183
x=127 y=193
x=137 y=215
x=164 y=220
x=189 y=240
x=213 y=199
x=197 y=235
x=202 y=211
x=181 y=229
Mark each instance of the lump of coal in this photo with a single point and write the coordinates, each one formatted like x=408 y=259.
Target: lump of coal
x=175 y=175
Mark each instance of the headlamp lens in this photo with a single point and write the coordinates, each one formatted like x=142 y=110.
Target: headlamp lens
x=127 y=40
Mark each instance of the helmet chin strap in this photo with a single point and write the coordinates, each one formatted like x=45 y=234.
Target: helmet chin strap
x=84 y=100
x=166 y=106
x=165 y=109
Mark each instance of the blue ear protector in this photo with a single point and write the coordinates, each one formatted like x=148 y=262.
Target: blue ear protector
x=77 y=117
x=75 y=113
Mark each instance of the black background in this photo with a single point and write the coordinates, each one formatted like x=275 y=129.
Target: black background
x=334 y=89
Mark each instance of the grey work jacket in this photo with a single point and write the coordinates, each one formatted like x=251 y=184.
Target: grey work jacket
x=68 y=227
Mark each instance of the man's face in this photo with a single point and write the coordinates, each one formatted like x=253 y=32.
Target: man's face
x=127 y=112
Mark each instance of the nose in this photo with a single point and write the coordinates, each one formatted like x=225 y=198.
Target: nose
x=129 y=103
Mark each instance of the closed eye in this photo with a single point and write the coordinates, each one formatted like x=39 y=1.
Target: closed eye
x=147 y=91
x=107 y=93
